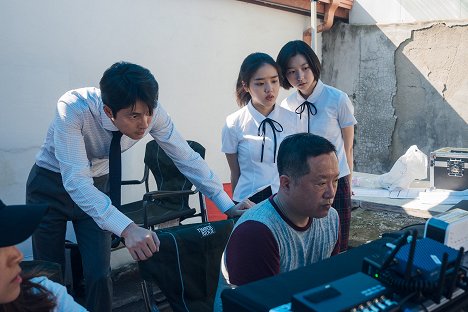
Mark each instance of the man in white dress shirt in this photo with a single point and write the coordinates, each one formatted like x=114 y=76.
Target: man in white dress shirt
x=72 y=166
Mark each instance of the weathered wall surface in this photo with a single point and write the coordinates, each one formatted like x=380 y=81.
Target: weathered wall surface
x=195 y=56
x=408 y=83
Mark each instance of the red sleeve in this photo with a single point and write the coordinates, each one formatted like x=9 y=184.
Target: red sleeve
x=252 y=253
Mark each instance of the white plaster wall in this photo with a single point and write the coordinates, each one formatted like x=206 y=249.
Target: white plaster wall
x=194 y=49
x=407 y=11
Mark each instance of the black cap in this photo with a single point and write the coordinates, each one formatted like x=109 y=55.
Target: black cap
x=18 y=222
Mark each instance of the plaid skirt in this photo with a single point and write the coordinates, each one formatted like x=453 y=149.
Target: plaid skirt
x=342 y=204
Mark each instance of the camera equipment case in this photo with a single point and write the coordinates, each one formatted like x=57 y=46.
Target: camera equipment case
x=449 y=168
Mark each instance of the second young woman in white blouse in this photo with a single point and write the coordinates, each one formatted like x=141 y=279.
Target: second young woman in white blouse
x=325 y=111
x=252 y=135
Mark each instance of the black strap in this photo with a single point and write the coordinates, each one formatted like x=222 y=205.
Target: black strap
x=262 y=131
x=115 y=169
x=311 y=109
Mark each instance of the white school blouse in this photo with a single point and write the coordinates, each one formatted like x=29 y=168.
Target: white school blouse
x=241 y=136
x=334 y=112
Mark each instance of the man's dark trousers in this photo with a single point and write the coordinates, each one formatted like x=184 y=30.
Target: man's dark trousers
x=45 y=186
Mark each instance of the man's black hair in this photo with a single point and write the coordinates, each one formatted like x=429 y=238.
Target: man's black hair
x=296 y=149
x=124 y=83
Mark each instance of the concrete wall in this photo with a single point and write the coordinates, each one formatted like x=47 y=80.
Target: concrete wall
x=194 y=49
x=407 y=11
x=408 y=83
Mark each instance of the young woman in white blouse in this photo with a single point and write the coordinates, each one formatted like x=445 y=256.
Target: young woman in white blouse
x=325 y=111
x=252 y=135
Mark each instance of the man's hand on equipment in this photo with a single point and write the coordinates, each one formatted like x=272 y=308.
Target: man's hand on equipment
x=140 y=242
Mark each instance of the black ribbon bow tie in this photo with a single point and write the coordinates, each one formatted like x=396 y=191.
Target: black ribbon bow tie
x=262 y=131
x=311 y=110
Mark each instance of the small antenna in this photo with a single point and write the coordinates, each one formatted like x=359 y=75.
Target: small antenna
x=409 y=265
x=391 y=256
x=441 y=284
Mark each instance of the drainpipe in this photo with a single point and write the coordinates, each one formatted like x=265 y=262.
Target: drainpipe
x=310 y=34
x=313 y=25
x=329 y=16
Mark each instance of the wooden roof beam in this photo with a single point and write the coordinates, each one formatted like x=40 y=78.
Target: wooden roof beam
x=303 y=7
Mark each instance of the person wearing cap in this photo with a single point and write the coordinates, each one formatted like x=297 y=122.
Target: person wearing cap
x=18 y=292
x=72 y=170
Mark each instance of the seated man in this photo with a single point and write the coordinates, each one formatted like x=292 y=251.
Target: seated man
x=293 y=228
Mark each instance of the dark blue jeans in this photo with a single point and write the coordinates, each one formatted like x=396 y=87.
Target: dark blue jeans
x=45 y=186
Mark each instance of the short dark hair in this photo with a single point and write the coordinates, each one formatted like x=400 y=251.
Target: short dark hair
x=291 y=49
x=296 y=149
x=124 y=83
x=249 y=67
